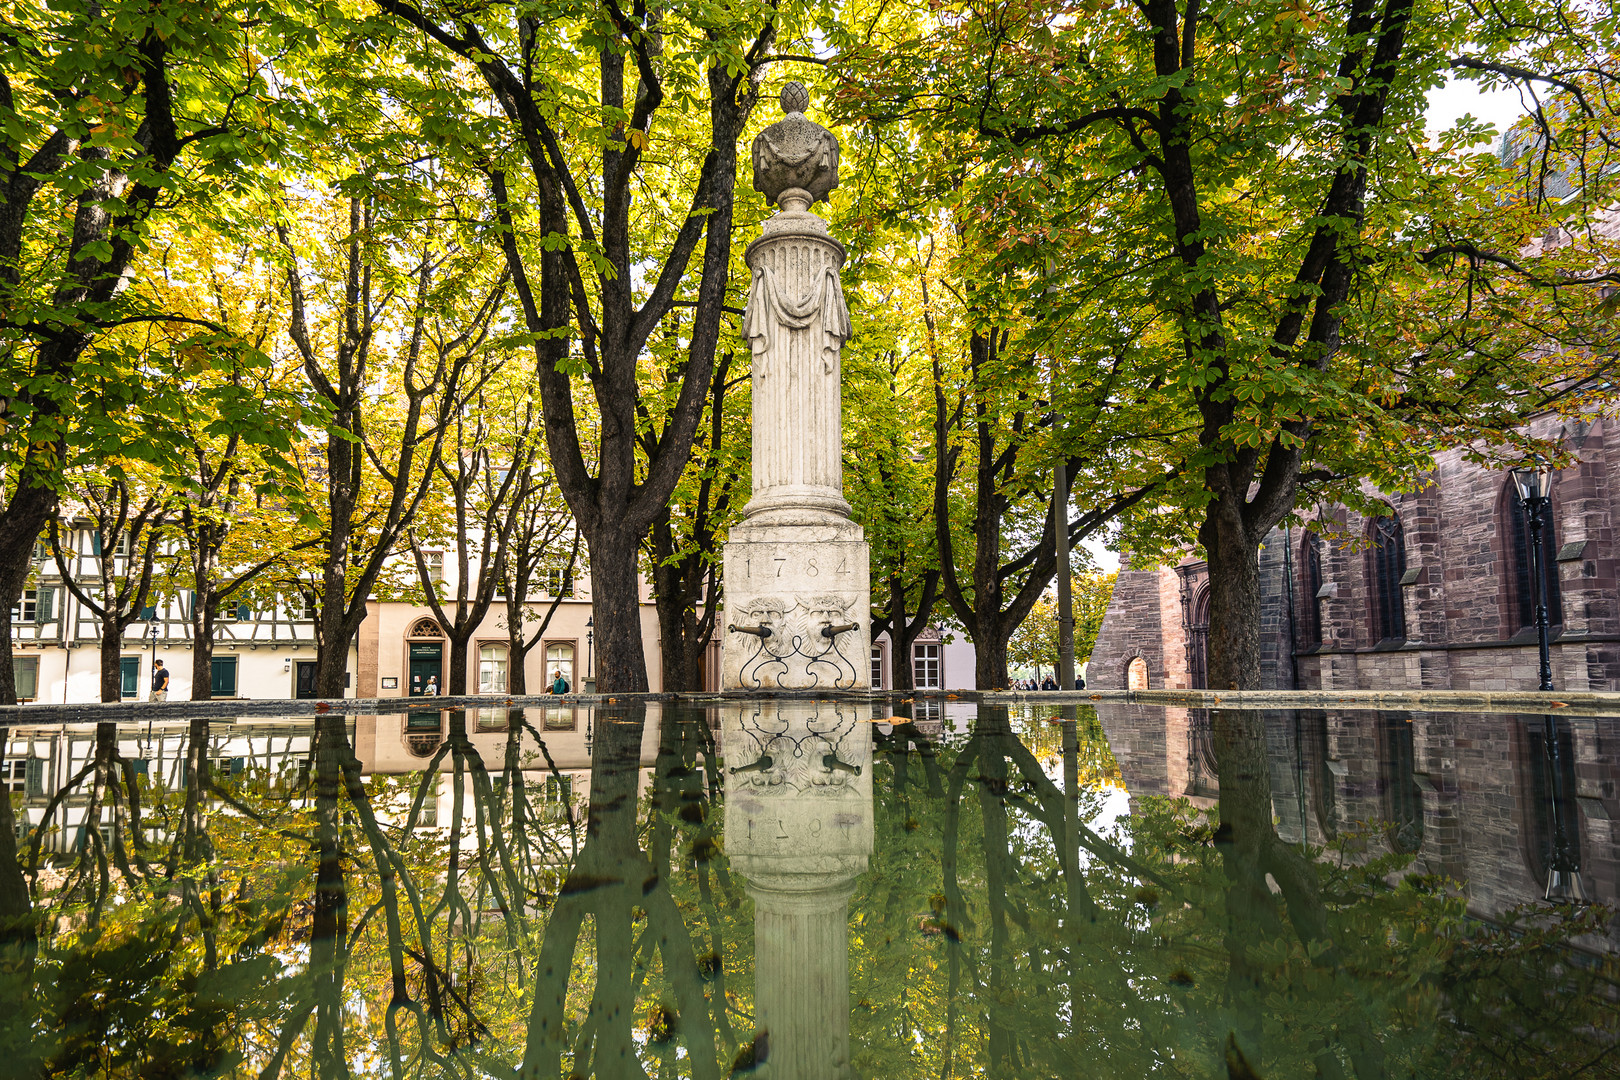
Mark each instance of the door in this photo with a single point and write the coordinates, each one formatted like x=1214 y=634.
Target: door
x=427 y=662
x=129 y=670
x=304 y=679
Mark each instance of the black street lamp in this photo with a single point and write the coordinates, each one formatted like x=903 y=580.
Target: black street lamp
x=590 y=653
x=1534 y=482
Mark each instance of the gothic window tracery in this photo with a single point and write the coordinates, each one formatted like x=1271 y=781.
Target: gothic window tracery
x=1388 y=564
x=1524 y=589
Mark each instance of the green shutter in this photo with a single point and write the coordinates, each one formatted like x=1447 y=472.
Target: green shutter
x=34 y=778
x=222 y=676
x=95 y=542
x=42 y=606
x=130 y=669
x=243 y=612
x=26 y=673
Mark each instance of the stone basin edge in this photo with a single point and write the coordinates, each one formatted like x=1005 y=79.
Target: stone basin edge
x=1581 y=703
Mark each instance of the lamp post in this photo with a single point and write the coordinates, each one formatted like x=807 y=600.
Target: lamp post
x=153 y=629
x=590 y=653
x=1534 y=482
x=1564 y=881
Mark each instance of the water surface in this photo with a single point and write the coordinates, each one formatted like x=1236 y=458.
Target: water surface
x=796 y=890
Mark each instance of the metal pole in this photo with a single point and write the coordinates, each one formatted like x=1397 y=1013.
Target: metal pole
x=1538 y=568
x=1564 y=867
x=1060 y=519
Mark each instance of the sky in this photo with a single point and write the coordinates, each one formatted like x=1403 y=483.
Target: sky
x=1498 y=107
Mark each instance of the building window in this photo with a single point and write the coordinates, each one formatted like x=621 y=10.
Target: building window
x=1524 y=588
x=306 y=607
x=26 y=671
x=877 y=667
x=925 y=666
x=1403 y=797
x=492 y=669
x=1388 y=567
x=1136 y=674
x=559 y=583
x=435 y=564
x=559 y=661
x=1310 y=559
x=222 y=676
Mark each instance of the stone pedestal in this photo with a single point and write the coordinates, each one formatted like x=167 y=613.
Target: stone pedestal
x=796 y=569
x=798 y=828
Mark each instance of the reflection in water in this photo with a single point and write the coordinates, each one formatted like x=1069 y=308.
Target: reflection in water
x=799 y=831
x=551 y=894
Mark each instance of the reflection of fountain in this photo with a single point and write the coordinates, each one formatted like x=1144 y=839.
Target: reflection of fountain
x=799 y=830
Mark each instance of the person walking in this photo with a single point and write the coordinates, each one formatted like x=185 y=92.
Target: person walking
x=160 y=681
x=559 y=685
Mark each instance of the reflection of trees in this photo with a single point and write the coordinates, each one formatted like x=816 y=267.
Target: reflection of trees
x=1001 y=929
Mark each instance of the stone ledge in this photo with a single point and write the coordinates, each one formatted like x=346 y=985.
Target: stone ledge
x=1582 y=703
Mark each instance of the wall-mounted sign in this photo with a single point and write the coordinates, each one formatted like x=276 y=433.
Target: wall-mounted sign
x=390 y=682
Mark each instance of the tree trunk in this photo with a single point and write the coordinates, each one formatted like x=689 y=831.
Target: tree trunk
x=621 y=661
x=112 y=644
x=332 y=650
x=677 y=588
x=1234 y=599
x=202 y=645
x=21 y=522
x=989 y=652
x=456 y=682
x=517 y=655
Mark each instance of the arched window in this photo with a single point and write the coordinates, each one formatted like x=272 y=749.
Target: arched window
x=1136 y=674
x=1388 y=567
x=1310 y=611
x=422 y=744
x=1550 y=827
x=1403 y=798
x=1524 y=587
x=560 y=661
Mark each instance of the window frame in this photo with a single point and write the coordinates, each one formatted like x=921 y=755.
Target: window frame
x=920 y=676
x=216 y=664
x=1386 y=566
x=505 y=661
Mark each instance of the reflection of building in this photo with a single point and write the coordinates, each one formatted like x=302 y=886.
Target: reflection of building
x=1432 y=592
x=274 y=757
x=1476 y=797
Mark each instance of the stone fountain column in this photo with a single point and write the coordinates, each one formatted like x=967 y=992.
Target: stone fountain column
x=798 y=587
x=798 y=828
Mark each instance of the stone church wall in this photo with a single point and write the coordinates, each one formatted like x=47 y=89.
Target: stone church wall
x=1458 y=598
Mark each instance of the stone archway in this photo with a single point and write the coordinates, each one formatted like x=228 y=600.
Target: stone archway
x=1136 y=674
